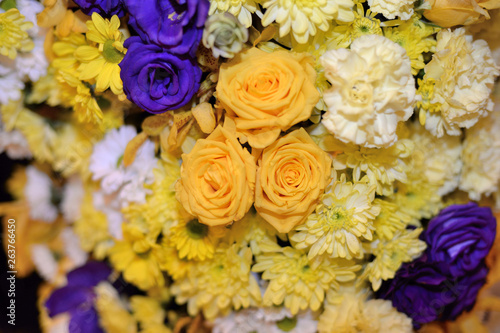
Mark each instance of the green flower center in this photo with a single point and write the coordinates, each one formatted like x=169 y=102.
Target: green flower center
x=119 y=161
x=110 y=53
x=338 y=218
x=287 y=324
x=196 y=230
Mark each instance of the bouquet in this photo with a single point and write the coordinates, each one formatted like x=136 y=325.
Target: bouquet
x=238 y=166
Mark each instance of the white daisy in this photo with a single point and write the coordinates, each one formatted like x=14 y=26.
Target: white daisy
x=38 y=193
x=110 y=206
x=10 y=84
x=32 y=65
x=106 y=165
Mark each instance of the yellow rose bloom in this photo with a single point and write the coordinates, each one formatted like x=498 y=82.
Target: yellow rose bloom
x=217 y=181
x=292 y=173
x=449 y=13
x=265 y=94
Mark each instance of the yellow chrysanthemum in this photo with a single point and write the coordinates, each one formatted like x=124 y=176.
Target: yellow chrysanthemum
x=218 y=285
x=299 y=282
x=363 y=24
x=13 y=35
x=161 y=209
x=427 y=102
x=92 y=229
x=64 y=52
x=343 y=218
x=39 y=134
x=195 y=240
x=149 y=314
x=417 y=198
x=253 y=231
x=415 y=37
x=100 y=62
x=138 y=257
x=390 y=254
x=170 y=261
x=113 y=314
x=382 y=166
x=389 y=220
x=305 y=18
x=81 y=99
x=352 y=313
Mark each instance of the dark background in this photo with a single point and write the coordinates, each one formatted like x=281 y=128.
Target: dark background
x=26 y=289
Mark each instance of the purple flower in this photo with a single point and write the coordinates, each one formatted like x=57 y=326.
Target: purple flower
x=445 y=280
x=156 y=80
x=460 y=237
x=77 y=297
x=105 y=8
x=176 y=25
x=425 y=293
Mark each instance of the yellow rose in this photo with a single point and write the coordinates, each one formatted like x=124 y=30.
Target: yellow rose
x=217 y=181
x=266 y=93
x=292 y=173
x=449 y=13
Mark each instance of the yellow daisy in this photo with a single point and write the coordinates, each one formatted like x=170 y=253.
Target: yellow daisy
x=299 y=282
x=389 y=220
x=100 y=59
x=13 y=33
x=195 y=240
x=343 y=218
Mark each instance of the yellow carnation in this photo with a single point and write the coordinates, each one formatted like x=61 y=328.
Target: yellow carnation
x=265 y=94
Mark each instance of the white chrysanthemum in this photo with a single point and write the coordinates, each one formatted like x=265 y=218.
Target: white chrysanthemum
x=241 y=9
x=352 y=314
x=341 y=221
x=72 y=199
x=72 y=247
x=439 y=159
x=38 y=193
x=14 y=144
x=305 y=18
x=106 y=165
x=45 y=262
x=372 y=90
x=464 y=74
x=392 y=8
x=481 y=157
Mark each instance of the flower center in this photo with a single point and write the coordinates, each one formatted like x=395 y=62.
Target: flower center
x=8 y=4
x=337 y=218
x=364 y=26
x=196 y=230
x=110 y=53
x=287 y=324
x=360 y=92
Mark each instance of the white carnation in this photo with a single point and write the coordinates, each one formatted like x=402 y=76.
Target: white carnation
x=372 y=90
x=464 y=72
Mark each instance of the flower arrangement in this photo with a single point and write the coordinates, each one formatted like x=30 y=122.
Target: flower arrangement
x=253 y=165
